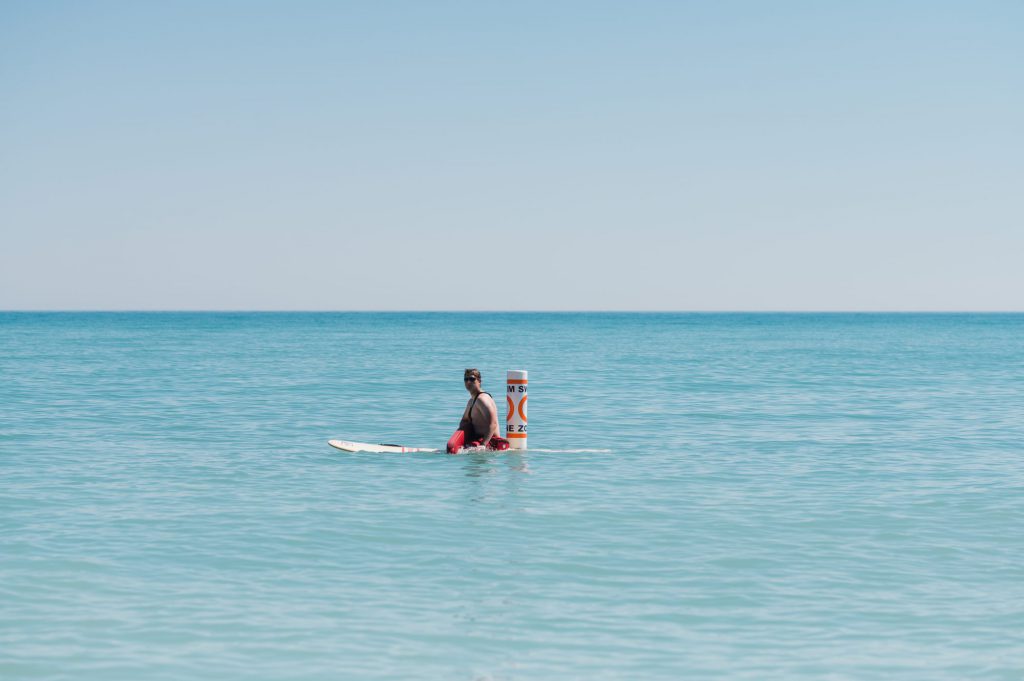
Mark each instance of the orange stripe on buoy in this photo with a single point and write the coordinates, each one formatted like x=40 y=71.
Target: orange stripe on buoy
x=516 y=381
x=513 y=436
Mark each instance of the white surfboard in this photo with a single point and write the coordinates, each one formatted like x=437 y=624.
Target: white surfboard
x=347 y=446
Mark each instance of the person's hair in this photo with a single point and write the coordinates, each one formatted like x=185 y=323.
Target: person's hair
x=475 y=373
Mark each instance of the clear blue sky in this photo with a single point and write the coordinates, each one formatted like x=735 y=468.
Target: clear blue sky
x=512 y=155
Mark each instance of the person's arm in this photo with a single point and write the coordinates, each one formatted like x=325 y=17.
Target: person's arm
x=492 y=415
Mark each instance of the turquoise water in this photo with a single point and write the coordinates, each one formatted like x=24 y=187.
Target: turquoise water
x=779 y=497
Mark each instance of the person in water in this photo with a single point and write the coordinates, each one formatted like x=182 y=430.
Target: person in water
x=479 y=424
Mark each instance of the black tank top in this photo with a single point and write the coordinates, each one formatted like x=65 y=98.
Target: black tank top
x=467 y=423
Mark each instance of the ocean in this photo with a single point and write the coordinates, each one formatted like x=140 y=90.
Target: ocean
x=705 y=496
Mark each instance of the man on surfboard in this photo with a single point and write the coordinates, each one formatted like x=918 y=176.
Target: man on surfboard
x=479 y=424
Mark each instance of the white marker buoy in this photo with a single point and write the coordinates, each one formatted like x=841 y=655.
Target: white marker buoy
x=515 y=421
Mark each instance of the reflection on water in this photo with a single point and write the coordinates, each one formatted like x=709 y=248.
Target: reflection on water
x=497 y=475
x=481 y=463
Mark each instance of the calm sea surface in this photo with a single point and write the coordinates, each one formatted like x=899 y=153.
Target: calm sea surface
x=706 y=497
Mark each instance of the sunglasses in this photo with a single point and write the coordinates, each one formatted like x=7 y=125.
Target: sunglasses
x=469 y=379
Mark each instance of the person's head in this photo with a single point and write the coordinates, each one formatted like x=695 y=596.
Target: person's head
x=471 y=379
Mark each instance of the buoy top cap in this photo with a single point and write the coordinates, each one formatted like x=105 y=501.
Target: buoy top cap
x=516 y=374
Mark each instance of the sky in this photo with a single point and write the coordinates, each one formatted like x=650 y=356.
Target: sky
x=747 y=156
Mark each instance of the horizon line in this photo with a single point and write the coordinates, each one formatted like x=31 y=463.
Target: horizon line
x=442 y=311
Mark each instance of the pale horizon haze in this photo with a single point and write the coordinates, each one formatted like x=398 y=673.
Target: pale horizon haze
x=677 y=156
